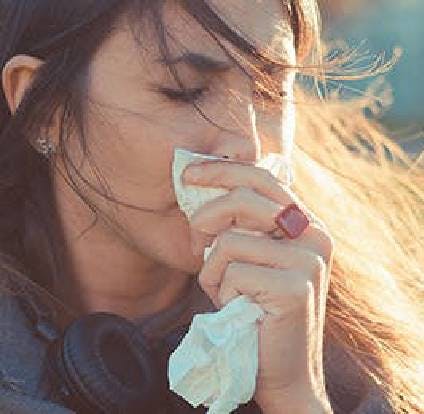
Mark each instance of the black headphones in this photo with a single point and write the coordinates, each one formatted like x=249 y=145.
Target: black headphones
x=102 y=364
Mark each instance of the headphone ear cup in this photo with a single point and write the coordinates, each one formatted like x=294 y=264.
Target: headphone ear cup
x=105 y=366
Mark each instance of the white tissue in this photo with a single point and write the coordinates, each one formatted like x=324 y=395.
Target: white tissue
x=192 y=197
x=216 y=363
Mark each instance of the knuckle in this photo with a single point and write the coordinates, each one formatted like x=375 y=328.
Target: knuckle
x=325 y=243
x=329 y=247
x=265 y=175
x=328 y=244
x=316 y=266
x=229 y=280
x=242 y=193
x=232 y=269
x=224 y=241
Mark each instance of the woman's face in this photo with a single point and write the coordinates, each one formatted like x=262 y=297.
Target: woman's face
x=136 y=119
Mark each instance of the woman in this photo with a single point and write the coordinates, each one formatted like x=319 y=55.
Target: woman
x=97 y=96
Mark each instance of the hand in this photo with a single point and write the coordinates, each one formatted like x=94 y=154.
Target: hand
x=288 y=278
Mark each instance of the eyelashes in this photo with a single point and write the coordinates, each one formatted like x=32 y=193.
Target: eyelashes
x=189 y=95
x=193 y=95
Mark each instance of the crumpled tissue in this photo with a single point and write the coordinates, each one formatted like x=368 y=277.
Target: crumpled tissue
x=216 y=362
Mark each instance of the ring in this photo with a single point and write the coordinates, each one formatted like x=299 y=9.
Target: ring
x=292 y=221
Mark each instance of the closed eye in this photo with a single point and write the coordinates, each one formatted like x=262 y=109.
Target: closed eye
x=189 y=95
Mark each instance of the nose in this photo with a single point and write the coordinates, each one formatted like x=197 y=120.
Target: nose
x=237 y=149
x=240 y=142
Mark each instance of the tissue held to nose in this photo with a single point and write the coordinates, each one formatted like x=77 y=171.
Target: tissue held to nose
x=192 y=197
x=217 y=361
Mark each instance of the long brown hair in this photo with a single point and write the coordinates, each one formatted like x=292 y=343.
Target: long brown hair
x=349 y=172
x=370 y=195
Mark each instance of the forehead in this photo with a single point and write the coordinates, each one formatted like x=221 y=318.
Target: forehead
x=264 y=23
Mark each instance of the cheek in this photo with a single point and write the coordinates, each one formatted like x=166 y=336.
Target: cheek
x=288 y=127
x=134 y=159
x=172 y=244
x=164 y=238
x=288 y=119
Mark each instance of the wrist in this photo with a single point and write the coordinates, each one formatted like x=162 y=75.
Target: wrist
x=304 y=407
x=297 y=401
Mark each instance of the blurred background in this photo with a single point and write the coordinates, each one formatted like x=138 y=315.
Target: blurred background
x=385 y=25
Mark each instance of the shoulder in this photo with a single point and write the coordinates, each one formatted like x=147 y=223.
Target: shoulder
x=22 y=360
x=21 y=351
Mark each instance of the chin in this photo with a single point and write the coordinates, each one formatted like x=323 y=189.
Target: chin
x=174 y=245
x=188 y=263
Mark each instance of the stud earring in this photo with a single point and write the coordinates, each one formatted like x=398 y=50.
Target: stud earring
x=44 y=146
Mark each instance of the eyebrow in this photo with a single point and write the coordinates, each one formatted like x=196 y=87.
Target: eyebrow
x=201 y=63
x=208 y=64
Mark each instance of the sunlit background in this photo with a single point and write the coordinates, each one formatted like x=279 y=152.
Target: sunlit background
x=385 y=25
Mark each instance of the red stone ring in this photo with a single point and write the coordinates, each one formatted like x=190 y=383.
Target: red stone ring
x=292 y=221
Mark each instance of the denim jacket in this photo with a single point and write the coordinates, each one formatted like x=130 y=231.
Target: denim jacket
x=25 y=390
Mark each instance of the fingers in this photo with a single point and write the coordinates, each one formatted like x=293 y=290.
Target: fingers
x=231 y=175
x=321 y=243
x=235 y=174
x=253 y=203
x=289 y=279
x=255 y=198
x=242 y=208
x=282 y=291
x=264 y=253
x=315 y=239
x=289 y=296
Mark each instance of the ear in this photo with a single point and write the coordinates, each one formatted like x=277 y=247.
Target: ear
x=17 y=76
